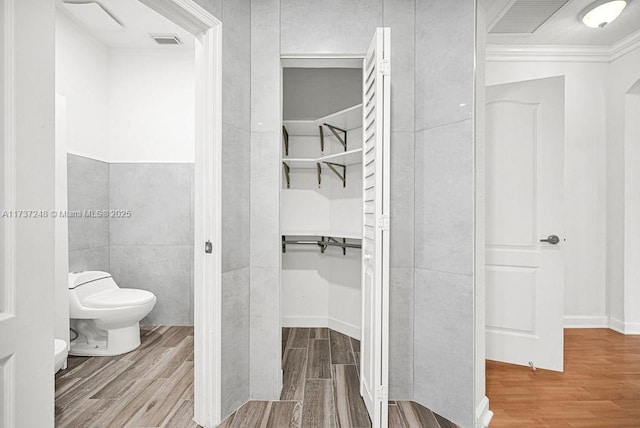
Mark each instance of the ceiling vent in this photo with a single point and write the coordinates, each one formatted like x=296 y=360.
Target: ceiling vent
x=166 y=39
x=526 y=16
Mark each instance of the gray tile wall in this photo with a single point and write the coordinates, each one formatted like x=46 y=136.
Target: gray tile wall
x=236 y=156
x=283 y=27
x=266 y=376
x=444 y=214
x=236 y=191
x=88 y=189
x=152 y=250
x=399 y=15
x=442 y=62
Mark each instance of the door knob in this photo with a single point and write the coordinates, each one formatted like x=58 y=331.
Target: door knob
x=551 y=239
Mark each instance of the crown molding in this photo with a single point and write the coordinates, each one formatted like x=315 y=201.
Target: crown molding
x=543 y=53
x=563 y=53
x=626 y=45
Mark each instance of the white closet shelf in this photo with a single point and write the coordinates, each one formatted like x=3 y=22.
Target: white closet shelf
x=300 y=163
x=351 y=157
x=347 y=119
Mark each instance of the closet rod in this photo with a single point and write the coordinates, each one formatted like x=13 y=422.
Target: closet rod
x=322 y=243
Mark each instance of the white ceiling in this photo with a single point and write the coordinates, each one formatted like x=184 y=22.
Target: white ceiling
x=138 y=21
x=564 y=28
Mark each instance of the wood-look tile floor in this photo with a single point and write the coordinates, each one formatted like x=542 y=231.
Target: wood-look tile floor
x=321 y=389
x=151 y=386
x=600 y=386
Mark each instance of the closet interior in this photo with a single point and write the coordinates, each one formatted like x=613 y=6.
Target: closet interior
x=321 y=202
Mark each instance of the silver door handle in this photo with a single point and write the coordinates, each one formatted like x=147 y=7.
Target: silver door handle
x=551 y=239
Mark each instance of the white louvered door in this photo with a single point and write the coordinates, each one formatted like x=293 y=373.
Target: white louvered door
x=375 y=242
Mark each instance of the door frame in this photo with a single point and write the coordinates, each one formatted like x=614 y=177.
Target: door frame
x=208 y=203
x=351 y=61
x=207 y=30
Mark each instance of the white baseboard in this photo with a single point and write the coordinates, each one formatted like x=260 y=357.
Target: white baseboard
x=321 y=322
x=586 y=321
x=310 y=322
x=616 y=325
x=345 y=328
x=624 y=327
x=601 y=321
x=483 y=414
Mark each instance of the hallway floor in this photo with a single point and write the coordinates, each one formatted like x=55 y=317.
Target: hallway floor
x=152 y=386
x=599 y=388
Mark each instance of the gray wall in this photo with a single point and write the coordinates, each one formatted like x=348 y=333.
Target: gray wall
x=290 y=27
x=88 y=189
x=311 y=93
x=236 y=153
x=236 y=146
x=431 y=337
x=152 y=250
x=266 y=123
x=444 y=209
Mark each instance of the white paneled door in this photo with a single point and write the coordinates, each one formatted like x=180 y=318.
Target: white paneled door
x=524 y=223
x=375 y=242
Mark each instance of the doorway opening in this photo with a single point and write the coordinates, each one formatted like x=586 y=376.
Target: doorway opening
x=321 y=205
x=146 y=158
x=334 y=201
x=599 y=212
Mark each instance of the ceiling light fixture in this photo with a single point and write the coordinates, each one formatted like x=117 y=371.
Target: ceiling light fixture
x=600 y=13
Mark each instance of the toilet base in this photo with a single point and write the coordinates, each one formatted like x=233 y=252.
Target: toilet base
x=118 y=341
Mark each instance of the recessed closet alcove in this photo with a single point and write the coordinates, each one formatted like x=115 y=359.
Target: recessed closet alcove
x=321 y=198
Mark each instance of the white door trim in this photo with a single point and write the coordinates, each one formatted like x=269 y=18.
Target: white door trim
x=26 y=201
x=8 y=262
x=208 y=203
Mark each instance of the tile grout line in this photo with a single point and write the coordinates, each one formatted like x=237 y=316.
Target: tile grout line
x=306 y=367
x=353 y=357
x=333 y=391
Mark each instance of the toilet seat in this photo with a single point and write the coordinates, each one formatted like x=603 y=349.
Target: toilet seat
x=118 y=298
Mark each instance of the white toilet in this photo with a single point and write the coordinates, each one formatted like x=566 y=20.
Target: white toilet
x=105 y=316
x=59 y=354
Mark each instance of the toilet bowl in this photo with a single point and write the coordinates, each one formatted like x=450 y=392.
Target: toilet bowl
x=105 y=316
x=59 y=354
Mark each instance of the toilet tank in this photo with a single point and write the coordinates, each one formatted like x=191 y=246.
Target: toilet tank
x=84 y=284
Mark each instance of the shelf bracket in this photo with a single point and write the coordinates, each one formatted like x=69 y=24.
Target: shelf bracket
x=285 y=135
x=321 y=139
x=319 y=168
x=287 y=170
x=335 y=132
x=284 y=244
x=343 y=176
x=344 y=244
